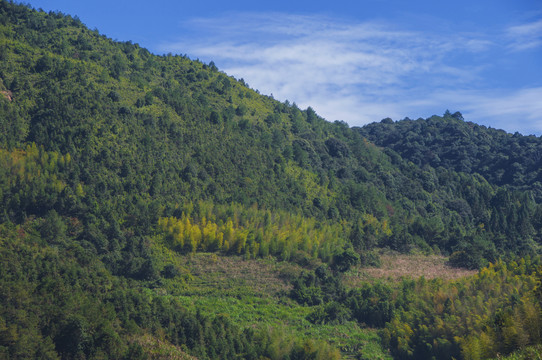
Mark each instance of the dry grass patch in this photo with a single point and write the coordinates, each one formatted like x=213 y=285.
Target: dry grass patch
x=397 y=266
x=156 y=349
x=263 y=276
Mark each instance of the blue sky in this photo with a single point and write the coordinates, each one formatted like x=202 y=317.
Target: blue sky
x=357 y=61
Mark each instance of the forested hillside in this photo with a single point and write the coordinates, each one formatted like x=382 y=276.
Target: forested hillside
x=117 y=165
x=504 y=159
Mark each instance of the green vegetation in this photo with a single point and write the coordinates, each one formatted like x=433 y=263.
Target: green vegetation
x=154 y=207
x=252 y=232
x=491 y=313
x=448 y=141
x=529 y=353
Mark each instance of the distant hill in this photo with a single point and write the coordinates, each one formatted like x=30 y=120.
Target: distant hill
x=504 y=159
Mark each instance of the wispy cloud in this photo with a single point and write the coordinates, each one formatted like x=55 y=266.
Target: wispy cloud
x=357 y=72
x=516 y=110
x=525 y=36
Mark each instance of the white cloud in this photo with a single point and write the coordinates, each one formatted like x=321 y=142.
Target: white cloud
x=519 y=110
x=478 y=45
x=525 y=36
x=357 y=72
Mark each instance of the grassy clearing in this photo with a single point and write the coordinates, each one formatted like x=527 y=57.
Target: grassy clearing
x=254 y=293
x=397 y=266
x=227 y=274
x=354 y=341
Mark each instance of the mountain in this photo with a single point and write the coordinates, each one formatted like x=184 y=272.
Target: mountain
x=120 y=167
x=147 y=134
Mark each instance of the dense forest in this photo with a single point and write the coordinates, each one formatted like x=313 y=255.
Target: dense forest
x=503 y=159
x=120 y=167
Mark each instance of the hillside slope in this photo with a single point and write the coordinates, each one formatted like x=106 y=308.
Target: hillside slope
x=147 y=134
x=116 y=163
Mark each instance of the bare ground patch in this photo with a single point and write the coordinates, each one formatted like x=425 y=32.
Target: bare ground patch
x=396 y=266
x=264 y=276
